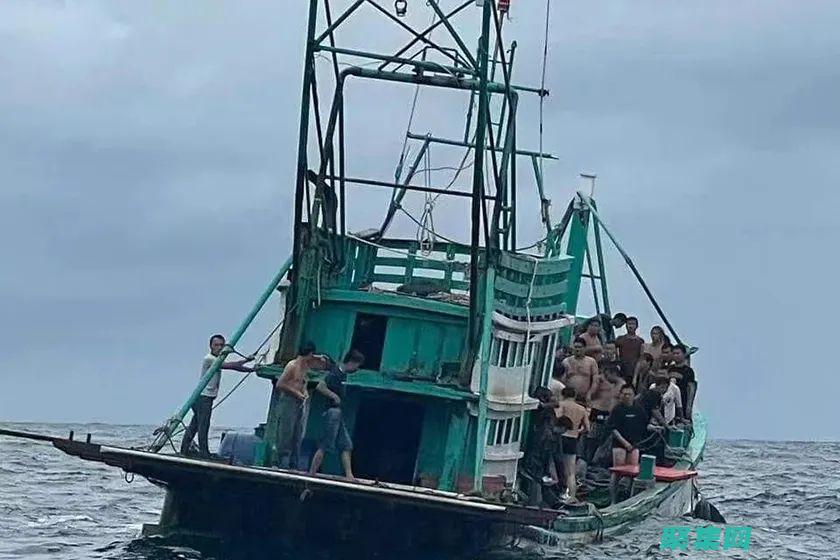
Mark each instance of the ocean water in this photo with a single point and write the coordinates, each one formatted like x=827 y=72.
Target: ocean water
x=59 y=507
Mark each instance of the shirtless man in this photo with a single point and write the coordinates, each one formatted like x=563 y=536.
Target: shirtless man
x=569 y=442
x=592 y=339
x=580 y=370
x=605 y=395
x=604 y=398
x=291 y=385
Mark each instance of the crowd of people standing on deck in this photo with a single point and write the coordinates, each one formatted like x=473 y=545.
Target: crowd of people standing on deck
x=609 y=396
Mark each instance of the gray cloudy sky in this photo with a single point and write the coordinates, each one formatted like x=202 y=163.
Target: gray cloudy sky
x=147 y=158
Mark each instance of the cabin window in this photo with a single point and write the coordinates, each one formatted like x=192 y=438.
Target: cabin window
x=369 y=338
x=508 y=353
x=503 y=432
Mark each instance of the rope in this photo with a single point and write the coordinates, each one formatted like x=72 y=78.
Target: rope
x=397 y=251
x=542 y=83
x=416 y=221
x=426 y=236
x=405 y=150
x=445 y=168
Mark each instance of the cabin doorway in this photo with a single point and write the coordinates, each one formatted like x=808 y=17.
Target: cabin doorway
x=386 y=439
x=369 y=338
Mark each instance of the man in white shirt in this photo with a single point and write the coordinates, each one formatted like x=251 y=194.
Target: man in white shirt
x=671 y=402
x=203 y=406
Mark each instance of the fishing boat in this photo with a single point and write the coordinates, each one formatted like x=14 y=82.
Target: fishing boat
x=456 y=335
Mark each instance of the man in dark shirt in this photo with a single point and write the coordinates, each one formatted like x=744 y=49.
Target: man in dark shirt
x=629 y=347
x=628 y=424
x=686 y=380
x=335 y=438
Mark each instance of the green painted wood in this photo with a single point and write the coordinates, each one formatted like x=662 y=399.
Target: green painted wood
x=483 y=357
x=420 y=348
x=421 y=263
x=375 y=380
x=537 y=291
x=457 y=248
x=455 y=448
x=400 y=279
x=430 y=458
x=450 y=267
x=409 y=263
x=395 y=300
x=646 y=464
x=576 y=248
x=536 y=309
x=552 y=265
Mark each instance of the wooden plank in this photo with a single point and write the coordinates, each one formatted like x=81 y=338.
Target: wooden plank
x=438 y=247
x=421 y=263
x=522 y=290
x=453 y=453
x=397 y=300
x=552 y=265
x=409 y=265
x=447 y=275
x=536 y=311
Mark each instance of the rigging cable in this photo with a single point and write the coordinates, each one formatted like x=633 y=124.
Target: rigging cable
x=426 y=236
x=544 y=208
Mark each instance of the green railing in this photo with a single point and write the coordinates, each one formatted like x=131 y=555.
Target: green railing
x=525 y=285
x=362 y=264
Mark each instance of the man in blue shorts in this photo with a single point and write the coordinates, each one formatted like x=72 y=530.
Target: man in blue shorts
x=335 y=438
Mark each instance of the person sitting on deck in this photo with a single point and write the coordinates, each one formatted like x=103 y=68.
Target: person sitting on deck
x=628 y=425
x=579 y=419
x=581 y=370
x=591 y=336
x=202 y=408
x=291 y=386
x=629 y=348
x=650 y=400
x=686 y=381
x=657 y=339
x=335 y=438
x=672 y=408
x=643 y=374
